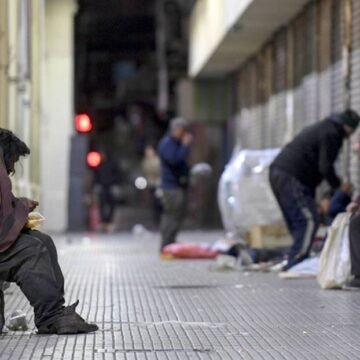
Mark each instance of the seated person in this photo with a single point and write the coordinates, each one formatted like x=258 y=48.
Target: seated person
x=29 y=257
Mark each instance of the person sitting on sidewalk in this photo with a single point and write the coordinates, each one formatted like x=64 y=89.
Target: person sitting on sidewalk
x=29 y=257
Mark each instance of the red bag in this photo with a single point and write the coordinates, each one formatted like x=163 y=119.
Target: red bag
x=189 y=251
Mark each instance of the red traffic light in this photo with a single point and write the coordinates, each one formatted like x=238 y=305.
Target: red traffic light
x=83 y=123
x=93 y=159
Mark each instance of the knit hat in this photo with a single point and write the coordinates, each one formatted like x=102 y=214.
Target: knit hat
x=350 y=118
x=178 y=122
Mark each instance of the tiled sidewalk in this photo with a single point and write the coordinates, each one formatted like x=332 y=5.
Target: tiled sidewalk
x=148 y=309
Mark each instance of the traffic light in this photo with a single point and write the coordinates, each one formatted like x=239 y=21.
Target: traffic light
x=93 y=159
x=83 y=123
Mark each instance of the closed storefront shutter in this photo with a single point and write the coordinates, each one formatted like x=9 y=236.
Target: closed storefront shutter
x=337 y=73
x=324 y=58
x=255 y=125
x=299 y=67
x=278 y=122
x=337 y=79
x=355 y=93
x=310 y=76
x=268 y=92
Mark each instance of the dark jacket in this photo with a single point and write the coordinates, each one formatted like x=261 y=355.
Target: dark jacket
x=311 y=155
x=13 y=211
x=107 y=174
x=174 y=167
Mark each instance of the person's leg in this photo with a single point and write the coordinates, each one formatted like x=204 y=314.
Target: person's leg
x=103 y=206
x=31 y=262
x=173 y=202
x=354 y=237
x=299 y=208
x=109 y=199
x=49 y=243
x=28 y=263
x=278 y=182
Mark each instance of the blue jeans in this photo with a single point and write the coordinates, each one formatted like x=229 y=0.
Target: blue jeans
x=297 y=203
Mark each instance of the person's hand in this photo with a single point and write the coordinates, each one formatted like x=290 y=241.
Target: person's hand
x=30 y=204
x=187 y=139
x=352 y=207
x=346 y=187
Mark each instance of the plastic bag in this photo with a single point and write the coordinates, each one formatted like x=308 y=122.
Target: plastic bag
x=35 y=220
x=17 y=321
x=334 y=265
x=189 y=251
x=244 y=195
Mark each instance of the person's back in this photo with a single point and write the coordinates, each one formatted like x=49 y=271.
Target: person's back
x=309 y=157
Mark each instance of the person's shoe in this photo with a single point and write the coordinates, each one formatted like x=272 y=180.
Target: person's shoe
x=353 y=284
x=2 y=315
x=69 y=322
x=279 y=267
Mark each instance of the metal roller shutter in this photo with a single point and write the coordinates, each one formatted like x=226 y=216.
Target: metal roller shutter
x=255 y=127
x=337 y=79
x=310 y=78
x=268 y=92
x=324 y=60
x=337 y=75
x=299 y=61
x=278 y=122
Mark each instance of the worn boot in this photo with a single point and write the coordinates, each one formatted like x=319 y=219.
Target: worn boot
x=69 y=322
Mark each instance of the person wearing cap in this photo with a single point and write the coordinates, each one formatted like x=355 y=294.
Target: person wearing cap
x=297 y=171
x=173 y=150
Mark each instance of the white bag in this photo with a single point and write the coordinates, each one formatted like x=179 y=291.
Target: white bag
x=334 y=266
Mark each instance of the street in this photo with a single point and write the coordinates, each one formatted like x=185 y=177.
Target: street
x=152 y=309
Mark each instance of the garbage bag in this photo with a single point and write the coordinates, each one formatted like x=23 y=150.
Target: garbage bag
x=189 y=251
x=245 y=197
x=334 y=265
x=17 y=321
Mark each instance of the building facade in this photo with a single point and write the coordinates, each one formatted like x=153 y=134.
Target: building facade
x=36 y=97
x=290 y=66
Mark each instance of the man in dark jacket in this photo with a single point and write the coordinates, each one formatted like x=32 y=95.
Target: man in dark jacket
x=299 y=168
x=173 y=150
x=28 y=257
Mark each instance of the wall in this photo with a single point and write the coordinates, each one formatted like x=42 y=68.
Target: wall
x=21 y=42
x=210 y=21
x=58 y=102
x=304 y=72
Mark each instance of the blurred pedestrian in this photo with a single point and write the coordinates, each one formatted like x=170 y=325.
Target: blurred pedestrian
x=28 y=257
x=173 y=150
x=151 y=169
x=107 y=179
x=300 y=168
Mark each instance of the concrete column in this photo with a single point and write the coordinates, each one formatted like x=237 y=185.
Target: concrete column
x=56 y=128
x=3 y=62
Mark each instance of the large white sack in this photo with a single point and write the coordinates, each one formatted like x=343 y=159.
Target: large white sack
x=244 y=194
x=335 y=264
